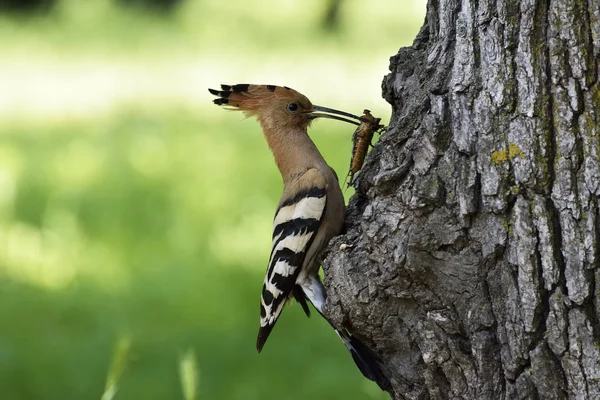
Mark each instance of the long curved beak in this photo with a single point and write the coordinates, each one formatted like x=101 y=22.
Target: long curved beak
x=324 y=112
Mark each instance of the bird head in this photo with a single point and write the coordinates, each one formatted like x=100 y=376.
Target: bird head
x=276 y=107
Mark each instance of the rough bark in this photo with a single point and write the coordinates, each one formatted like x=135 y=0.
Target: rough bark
x=475 y=226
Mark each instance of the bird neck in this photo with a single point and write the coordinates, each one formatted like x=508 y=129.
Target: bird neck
x=294 y=151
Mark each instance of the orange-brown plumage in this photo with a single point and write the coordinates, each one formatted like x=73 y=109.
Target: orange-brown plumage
x=274 y=106
x=285 y=115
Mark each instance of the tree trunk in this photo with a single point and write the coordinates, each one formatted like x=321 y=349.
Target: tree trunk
x=475 y=226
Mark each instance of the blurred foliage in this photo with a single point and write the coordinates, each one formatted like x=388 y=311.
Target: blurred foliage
x=188 y=371
x=152 y=5
x=26 y=6
x=331 y=19
x=135 y=217
x=32 y=6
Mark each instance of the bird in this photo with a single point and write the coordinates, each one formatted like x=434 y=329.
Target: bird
x=310 y=212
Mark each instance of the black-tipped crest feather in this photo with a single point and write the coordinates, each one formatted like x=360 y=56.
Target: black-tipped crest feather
x=240 y=87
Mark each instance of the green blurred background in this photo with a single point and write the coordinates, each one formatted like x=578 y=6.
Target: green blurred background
x=135 y=216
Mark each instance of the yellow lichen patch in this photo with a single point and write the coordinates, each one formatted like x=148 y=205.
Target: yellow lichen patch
x=505 y=155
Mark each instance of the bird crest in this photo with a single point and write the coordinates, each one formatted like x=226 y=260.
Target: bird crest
x=251 y=98
x=276 y=106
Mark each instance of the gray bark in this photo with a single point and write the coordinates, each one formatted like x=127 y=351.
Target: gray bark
x=475 y=226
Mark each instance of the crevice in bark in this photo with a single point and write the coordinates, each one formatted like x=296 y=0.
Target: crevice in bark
x=592 y=312
x=551 y=156
x=542 y=313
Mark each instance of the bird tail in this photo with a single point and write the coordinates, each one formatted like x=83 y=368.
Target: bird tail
x=365 y=359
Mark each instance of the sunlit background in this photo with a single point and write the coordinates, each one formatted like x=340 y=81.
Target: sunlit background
x=135 y=216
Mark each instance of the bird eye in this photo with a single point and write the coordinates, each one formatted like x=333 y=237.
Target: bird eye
x=292 y=107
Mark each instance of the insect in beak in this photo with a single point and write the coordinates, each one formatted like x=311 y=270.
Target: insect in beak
x=324 y=112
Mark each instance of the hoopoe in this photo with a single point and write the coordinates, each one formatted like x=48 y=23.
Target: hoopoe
x=310 y=212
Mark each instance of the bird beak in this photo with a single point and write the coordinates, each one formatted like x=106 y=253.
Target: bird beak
x=322 y=110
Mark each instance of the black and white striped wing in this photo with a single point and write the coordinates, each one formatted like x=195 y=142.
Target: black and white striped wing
x=296 y=223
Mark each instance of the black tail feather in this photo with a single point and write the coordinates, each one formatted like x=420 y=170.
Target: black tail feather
x=367 y=361
x=301 y=298
x=263 y=335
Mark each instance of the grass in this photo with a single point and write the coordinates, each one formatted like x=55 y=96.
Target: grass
x=134 y=226
x=134 y=234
